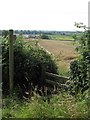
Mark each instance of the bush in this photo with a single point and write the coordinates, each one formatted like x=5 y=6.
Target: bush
x=79 y=75
x=28 y=64
x=44 y=36
x=80 y=67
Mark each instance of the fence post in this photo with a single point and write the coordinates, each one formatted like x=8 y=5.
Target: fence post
x=14 y=37
x=11 y=61
x=43 y=73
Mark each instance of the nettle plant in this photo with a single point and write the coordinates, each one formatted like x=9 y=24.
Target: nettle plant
x=80 y=68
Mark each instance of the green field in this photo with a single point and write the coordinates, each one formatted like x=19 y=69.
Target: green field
x=61 y=37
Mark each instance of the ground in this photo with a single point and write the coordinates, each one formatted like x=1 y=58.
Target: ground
x=63 y=51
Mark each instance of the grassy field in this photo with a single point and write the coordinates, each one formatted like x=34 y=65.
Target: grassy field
x=61 y=37
x=63 y=51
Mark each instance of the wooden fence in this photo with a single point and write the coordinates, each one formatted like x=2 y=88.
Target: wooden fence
x=55 y=80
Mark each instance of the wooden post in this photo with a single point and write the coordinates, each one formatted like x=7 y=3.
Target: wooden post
x=14 y=37
x=11 y=60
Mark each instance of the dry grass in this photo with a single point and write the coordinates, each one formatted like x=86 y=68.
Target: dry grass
x=64 y=51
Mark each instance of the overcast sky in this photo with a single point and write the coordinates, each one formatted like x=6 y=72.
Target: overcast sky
x=42 y=14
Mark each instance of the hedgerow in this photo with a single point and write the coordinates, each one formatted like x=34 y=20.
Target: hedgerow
x=28 y=64
x=80 y=68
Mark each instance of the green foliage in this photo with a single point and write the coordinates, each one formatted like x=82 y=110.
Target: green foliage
x=80 y=68
x=44 y=36
x=79 y=75
x=28 y=64
x=5 y=33
x=60 y=106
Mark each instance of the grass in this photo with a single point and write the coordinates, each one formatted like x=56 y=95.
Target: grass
x=62 y=68
x=63 y=52
x=62 y=49
x=61 y=37
x=60 y=106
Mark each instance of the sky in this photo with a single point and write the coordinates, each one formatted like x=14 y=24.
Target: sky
x=58 y=15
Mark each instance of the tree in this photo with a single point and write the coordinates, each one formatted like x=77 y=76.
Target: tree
x=44 y=36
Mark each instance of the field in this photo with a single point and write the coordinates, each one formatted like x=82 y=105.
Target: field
x=61 y=37
x=63 y=52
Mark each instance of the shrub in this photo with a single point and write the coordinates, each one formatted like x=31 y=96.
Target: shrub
x=28 y=64
x=80 y=67
x=79 y=75
x=44 y=36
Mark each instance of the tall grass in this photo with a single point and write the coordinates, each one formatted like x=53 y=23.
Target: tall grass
x=60 y=106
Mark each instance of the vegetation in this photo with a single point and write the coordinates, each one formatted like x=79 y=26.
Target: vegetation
x=61 y=37
x=38 y=32
x=44 y=36
x=60 y=106
x=52 y=35
x=63 y=52
x=80 y=67
x=5 y=33
x=28 y=64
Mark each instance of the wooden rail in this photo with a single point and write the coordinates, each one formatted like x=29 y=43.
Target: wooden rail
x=52 y=82
x=56 y=78
x=64 y=86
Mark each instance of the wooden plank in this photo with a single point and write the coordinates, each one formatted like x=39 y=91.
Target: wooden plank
x=53 y=83
x=56 y=78
x=64 y=86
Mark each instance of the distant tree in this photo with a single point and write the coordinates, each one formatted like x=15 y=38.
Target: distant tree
x=44 y=36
